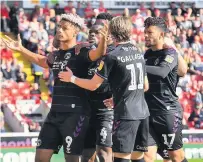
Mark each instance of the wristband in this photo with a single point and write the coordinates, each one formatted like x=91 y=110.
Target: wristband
x=72 y=79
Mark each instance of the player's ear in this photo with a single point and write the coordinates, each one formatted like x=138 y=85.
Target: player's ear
x=162 y=34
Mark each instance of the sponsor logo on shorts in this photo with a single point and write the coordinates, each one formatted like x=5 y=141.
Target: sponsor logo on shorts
x=69 y=141
x=103 y=134
x=39 y=142
x=142 y=148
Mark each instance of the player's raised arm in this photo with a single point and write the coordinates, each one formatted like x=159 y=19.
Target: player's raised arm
x=95 y=54
x=32 y=57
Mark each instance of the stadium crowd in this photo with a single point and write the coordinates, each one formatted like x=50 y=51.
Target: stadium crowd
x=37 y=30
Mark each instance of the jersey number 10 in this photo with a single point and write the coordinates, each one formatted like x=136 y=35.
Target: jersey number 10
x=134 y=85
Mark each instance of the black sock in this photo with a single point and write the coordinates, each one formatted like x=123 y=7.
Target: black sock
x=185 y=160
x=120 y=160
x=138 y=160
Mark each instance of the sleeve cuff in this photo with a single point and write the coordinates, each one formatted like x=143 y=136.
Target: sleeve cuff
x=101 y=76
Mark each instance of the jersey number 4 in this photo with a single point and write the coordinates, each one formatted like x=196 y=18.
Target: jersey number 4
x=134 y=85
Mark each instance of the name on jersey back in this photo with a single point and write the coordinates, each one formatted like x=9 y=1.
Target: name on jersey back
x=129 y=58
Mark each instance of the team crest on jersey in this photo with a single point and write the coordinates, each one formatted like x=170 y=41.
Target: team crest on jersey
x=156 y=61
x=67 y=56
x=169 y=59
x=101 y=65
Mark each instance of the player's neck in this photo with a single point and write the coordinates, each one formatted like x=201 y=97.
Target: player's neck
x=158 y=46
x=125 y=42
x=68 y=44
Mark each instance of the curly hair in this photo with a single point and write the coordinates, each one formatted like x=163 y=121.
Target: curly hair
x=74 y=19
x=121 y=28
x=156 y=21
x=104 y=16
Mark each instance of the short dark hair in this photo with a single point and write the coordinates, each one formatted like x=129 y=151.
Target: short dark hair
x=104 y=16
x=156 y=21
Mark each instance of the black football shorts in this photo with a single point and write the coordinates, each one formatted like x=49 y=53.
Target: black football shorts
x=130 y=135
x=63 y=129
x=166 y=131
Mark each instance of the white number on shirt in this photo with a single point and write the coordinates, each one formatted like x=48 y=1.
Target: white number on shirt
x=134 y=85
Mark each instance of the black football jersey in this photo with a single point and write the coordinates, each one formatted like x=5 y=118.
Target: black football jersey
x=102 y=93
x=68 y=97
x=124 y=68
x=161 y=67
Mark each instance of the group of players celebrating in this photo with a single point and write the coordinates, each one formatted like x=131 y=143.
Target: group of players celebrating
x=110 y=101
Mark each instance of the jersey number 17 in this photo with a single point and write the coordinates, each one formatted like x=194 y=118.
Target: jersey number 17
x=134 y=85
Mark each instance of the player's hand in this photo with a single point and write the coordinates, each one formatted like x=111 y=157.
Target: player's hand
x=109 y=103
x=12 y=44
x=65 y=76
x=104 y=32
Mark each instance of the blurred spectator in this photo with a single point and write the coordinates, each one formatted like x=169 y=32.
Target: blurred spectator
x=5 y=24
x=40 y=15
x=196 y=117
x=143 y=9
x=35 y=12
x=138 y=21
x=57 y=9
x=2 y=128
x=52 y=15
x=14 y=9
x=173 y=8
x=46 y=9
x=152 y=8
x=47 y=22
x=34 y=24
x=196 y=46
x=88 y=11
x=33 y=41
x=73 y=11
x=68 y=8
x=196 y=22
x=126 y=12
x=6 y=54
x=157 y=13
x=42 y=33
x=201 y=14
x=37 y=72
x=4 y=10
x=95 y=13
x=101 y=7
x=80 y=11
x=20 y=75
x=35 y=91
x=183 y=41
x=178 y=17
x=52 y=29
x=194 y=10
x=182 y=7
x=8 y=71
x=23 y=25
x=186 y=23
x=82 y=35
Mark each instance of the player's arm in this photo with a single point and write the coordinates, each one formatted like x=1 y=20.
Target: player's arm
x=146 y=84
x=166 y=64
x=182 y=65
x=97 y=53
x=90 y=84
x=32 y=57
